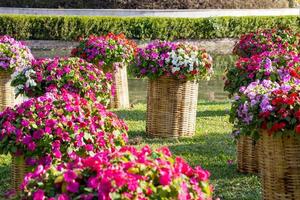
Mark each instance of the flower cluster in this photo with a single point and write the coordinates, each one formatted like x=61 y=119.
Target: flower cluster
x=180 y=60
x=72 y=74
x=266 y=40
x=125 y=174
x=267 y=105
x=277 y=65
x=56 y=126
x=14 y=55
x=105 y=51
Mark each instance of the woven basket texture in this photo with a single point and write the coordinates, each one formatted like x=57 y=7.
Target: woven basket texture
x=121 y=97
x=171 y=107
x=280 y=167
x=7 y=95
x=18 y=172
x=247 y=154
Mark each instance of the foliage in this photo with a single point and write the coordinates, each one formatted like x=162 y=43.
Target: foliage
x=55 y=126
x=125 y=174
x=277 y=65
x=72 y=27
x=72 y=74
x=255 y=43
x=179 y=60
x=107 y=52
x=14 y=55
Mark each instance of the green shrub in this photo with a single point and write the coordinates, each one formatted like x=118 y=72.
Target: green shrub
x=73 y=27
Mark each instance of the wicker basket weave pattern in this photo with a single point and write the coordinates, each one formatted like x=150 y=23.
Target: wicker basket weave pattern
x=7 y=96
x=280 y=167
x=18 y=172
x=247 y=154
x=171 y=107
x=121 y=97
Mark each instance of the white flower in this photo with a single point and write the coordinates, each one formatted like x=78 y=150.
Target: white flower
x=30 y=82
x=29 y=72
x=175 y=69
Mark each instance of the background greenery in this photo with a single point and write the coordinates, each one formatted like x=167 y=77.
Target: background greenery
x=144 y=28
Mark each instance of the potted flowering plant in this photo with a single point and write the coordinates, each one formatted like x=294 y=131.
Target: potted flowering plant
x=278 y=65
x=72 y=74
x=125 y=174
x=112 y=53
x=173 y=70
x=260 y=41
x=50 y=128
x=14 y=56
x=244 y=111
x=277 y=122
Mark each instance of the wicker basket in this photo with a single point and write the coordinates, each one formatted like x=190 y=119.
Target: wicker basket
x=280 y=167
x=18 y=172
x=7 y=96
x=171 y=107
x=247 y=154
x=121 y=97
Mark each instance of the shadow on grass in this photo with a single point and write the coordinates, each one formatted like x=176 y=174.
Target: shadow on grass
x=131 y=114
x=212 y=113
x=212 y=103
x=4 y=180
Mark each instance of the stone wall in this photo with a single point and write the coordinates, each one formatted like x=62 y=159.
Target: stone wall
x=52 y=48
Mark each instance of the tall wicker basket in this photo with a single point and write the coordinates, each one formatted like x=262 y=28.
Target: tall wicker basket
x=121 y=97
x=171 y=107
x=280 y=167
x=18 y=172
x=247 y=154
x=7 y=96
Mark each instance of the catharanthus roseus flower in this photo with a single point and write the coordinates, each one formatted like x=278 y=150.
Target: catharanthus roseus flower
x=127 y=173
x=277 y=65
x=55 y=126
x=267 y=40
x=72 y=74
x=105 y=51
x=179 y=60
x=14 y=55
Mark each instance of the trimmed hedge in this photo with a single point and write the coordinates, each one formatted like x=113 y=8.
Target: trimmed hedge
x=144 y=28
x=146 y=4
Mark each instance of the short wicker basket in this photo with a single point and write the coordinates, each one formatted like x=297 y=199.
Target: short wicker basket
x=280 y=167
x=247 y=154
x=121 y=97
x=171 y=107
x=18 y=172
x=7 y=95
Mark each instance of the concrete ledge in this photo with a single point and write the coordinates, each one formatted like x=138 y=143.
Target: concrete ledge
x=153 y=13
x=50 y=48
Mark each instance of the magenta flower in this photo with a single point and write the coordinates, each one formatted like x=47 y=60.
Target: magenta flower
x=70 y=176
x=39 y=195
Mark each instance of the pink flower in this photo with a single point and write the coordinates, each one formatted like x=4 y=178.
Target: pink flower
x=165 y=177
x=63 y=197
x=39 y=195
x=70 y=176
x=73 y=187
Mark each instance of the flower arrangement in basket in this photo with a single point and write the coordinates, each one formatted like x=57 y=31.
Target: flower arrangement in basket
x=125 y=174
x=261 y=41
x=72 y=74
x=178 y=60
x=278 y=66
x=53 y=127
x=106 y=51
x=14 y=55
x=248 y=105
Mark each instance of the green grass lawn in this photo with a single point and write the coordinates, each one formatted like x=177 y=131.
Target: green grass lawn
x=212 y=147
